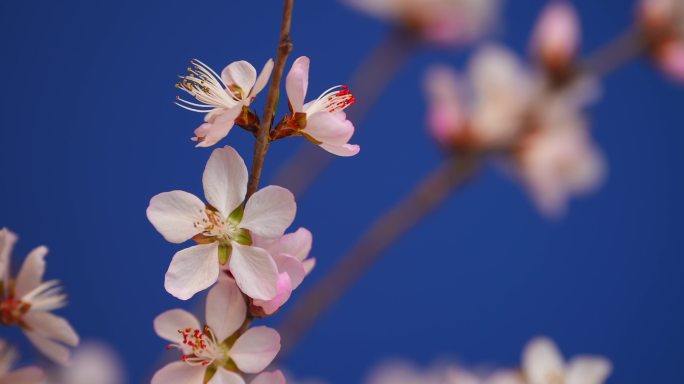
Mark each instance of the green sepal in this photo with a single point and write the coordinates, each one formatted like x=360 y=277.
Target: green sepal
x=209 y=373
x=235 y=217
x=242 y=236
x=225 y=250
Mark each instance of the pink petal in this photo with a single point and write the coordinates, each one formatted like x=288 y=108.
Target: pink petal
x=220 y=124
x=588 y=370
x=28 y=375
x=167 y=324
x=263 y=78
x=275 y=377
x=297 y=82
x=174 y=213
x=226 y=309
x=346 y=150
x=445 y=117
x=309 y=265
x=255 y=349
x=297 y=244
x=255 y=271
x=192 y=270
x=225 y=180
x=240 y=73
x=7 y=241
x=329 y=128
x=557 y=33
x=292 y=266
x=52 y=350
x=542 y=359
x=284 y=292
x=179 y=373
x=671 y=58
x=52 y=327
x=269 y=212
x=226 y=377
x=31 y=274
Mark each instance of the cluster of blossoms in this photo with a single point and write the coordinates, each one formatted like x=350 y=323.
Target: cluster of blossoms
x=26 y=301
x=533 y=117
x=542 y=363
x=242 y=253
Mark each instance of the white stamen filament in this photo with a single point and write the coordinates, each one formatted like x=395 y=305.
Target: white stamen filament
x=46 y=297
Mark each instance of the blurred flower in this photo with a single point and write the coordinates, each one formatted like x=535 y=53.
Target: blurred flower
x=449 y=22
x=405 y=373
x=485 y=111
x=27 y=301
x=558 y=159
x=217 y=352
x=543 y=364
x=321 y=121
x=223 y=229
x=291 y=254
x=92 y=363
x=9 y=357
x=221 y=98
x=663 y=24
x=557 y=36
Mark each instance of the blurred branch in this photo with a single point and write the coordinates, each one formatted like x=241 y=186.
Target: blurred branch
x=368 y=83
x=263 y=135
x=608 y=58
x=435 y=188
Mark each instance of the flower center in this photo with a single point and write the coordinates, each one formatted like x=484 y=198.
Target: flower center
x=206 y=86
x=201 y=346
x=334 y=99
x=213 y=227
x=12 y=311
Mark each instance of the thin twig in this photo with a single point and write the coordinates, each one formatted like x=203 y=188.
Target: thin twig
x=617 y=52
x=263 y=135
x=368 y=82
x=434 y=189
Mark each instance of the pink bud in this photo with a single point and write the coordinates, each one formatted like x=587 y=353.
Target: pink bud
x=557 y=35
x=671 y=59
x=445 y=115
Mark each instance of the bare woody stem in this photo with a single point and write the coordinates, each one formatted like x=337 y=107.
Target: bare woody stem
x=263 y=134
x=435 y=188
x=428 y=195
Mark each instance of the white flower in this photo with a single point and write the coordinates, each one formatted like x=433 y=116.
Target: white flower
x=8 y=357
x=92 y=363
x=216 y=351
x=438 y=21
x=291 y=254
x=28 y=300
x=223 y=229
x=543 y=364
x=223 y=97
x=322 y=121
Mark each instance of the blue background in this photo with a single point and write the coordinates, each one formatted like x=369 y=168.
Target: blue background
x=90 y=133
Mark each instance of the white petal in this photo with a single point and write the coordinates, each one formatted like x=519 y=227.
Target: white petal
x=346 y=150
x=542 y=360
x=217 y=127
x=54 y=351
x=7 y=241
x=292 y=266
x=309 y=265
x=255 y=349
x=240 y=73
x=275 y=377
x=28 y=375
x=284 y=292
x=263 y=78
x=226 y=309
x=192 y=270
x=297 y=82
x=174 y=215
x=52 y=327
x=588 y=370
x=269 y=211
x=329 y=128
x=255 y=271
x=297 y=244
x=226 y=377
x=225 y=180
x=32 y=271
x=179 y=373
x=167 y=324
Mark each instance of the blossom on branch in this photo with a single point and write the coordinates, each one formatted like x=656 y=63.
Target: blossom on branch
x=26 y=375
x=223 y=229
x=27 y=301
x=225 y=99
x=543 y=364
x=220 y=351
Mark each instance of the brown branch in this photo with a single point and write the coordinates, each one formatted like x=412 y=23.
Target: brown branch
x=368 y=82
x=434 y=189
x=611 y=56
x=263 y=135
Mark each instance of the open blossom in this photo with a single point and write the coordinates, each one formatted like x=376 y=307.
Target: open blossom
x=223 y=97
x=487 y=108
x=27 y=301
x=92 y=363
x=216 y=352
x=27 y=375
x=543 y=364
x=557 y=35
x=223 y=229
x=448 y=22
x=663 y=24
x=291 y=254
x=321 y=121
